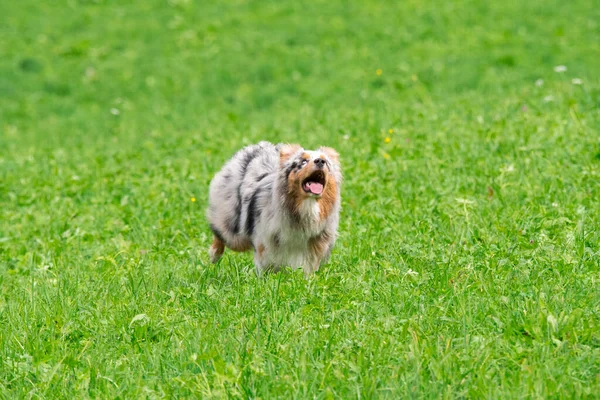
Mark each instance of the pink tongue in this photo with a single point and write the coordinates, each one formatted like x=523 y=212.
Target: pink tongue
x=314 y=187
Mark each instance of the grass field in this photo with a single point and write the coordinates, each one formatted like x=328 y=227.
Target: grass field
x=468 y=263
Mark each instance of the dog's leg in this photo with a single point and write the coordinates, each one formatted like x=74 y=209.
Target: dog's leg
x=262 y=262
x=259 y=259
x=327 y=254
x=319 y=249
x=309 y=269
x=216 y=250
x=312 y=265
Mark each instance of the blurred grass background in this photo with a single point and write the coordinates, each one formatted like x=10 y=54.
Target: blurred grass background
x=183 y=63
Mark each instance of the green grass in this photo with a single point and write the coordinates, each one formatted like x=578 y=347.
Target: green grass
x=468 y=263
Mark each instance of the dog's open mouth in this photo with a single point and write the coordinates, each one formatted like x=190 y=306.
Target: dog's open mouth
x=315 y=183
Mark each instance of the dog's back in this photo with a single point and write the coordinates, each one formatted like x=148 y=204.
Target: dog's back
x=235 y=194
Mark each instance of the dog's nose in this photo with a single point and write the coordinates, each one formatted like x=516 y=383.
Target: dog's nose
x=320 y=163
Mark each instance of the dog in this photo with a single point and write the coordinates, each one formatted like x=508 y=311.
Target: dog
x=280 y=200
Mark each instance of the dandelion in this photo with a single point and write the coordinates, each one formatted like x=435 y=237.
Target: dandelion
x=379 y=72
x=539 y=83
x=560 y=69
x=391 y=131
x=386 y=156
x=387 y=140
x=576 y=81
x=193 y=199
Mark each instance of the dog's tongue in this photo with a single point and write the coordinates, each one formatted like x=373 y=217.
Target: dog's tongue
x=314 y=187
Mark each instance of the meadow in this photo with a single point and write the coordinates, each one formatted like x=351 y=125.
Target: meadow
x=468 y=259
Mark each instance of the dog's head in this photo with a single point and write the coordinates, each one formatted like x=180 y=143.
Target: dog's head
x=311 y=174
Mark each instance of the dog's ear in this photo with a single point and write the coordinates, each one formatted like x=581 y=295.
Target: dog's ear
x=286 y=151
x=331 y=153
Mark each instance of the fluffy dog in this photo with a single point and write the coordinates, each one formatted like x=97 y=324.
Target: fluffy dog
x=280 y=200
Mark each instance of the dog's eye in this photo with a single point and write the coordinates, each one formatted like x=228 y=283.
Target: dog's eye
x=303 y=163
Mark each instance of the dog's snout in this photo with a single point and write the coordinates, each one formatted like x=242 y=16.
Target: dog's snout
x=320 y=163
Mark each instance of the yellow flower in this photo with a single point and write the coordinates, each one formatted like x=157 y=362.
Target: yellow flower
x=379 y=71
x=387 y=140
x=386 y=156
x=391 y=130
x=193 y=199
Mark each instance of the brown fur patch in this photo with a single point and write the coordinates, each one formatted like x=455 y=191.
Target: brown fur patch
x=261 y=250
x=317 y=247
x=288 y=150
x=329 y=197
